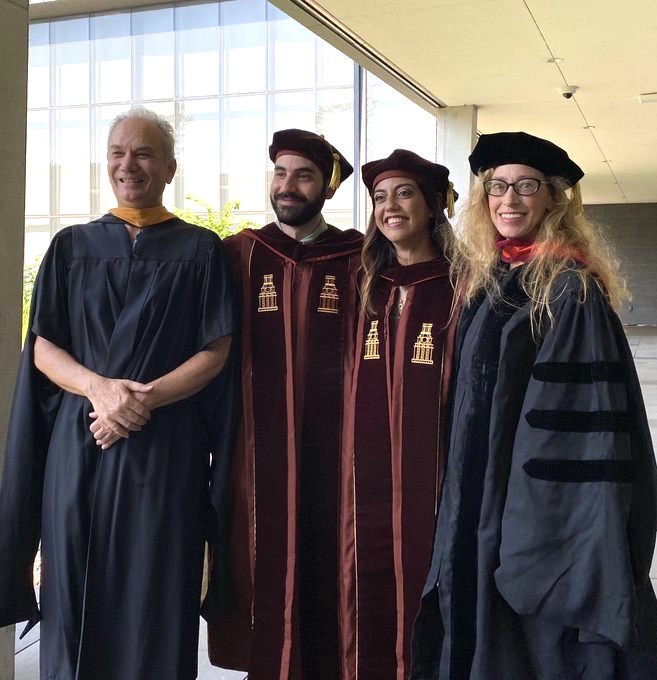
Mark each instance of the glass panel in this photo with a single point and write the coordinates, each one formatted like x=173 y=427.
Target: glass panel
x=394 y=122
x=111 y=51
x=198 y=158
x=71 y=59
x=244 y=159
x=292 y=53
x=244 y=41
x=154 y=66
x=333 y=67
x=37 y=180
x=37 y=239
x=72 y=161
x=38 y=78
x=197 y=39
x=335 y=119
x=293 y=110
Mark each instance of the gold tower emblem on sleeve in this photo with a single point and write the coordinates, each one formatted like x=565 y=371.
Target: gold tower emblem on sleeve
x=267 y=298
x=372 y=342
x=328 y=298
x=423 y=347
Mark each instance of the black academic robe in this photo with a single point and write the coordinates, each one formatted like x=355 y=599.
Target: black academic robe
x=299 y=304
x=546 y=527
x=393 y=445
x=122 y=531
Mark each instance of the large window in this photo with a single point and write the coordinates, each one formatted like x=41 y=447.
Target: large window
x=227 y=75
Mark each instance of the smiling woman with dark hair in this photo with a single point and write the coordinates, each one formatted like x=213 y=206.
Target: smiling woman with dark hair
x=547 y=519
x=393 y=414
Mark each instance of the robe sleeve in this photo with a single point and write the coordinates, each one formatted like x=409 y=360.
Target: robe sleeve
x=220 y=407
x=34 y=408
x=220 y=597
x=217 y=305
x=49 y=311
x=578 y=529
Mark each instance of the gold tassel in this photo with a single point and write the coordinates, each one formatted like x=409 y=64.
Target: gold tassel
x=335 y=180
x=576 y=199
x=450 y=200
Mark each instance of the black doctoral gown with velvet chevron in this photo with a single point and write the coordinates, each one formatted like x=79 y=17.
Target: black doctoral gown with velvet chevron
x=299 y=305
x=547 y=522
x=122 y=531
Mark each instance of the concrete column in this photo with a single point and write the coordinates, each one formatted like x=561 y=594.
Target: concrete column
x=457 y=135
x=13 y=116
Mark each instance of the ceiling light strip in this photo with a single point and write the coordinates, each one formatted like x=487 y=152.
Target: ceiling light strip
x=322 y=17
x=587 y=126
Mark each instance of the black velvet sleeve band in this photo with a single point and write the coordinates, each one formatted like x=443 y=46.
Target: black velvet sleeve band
x=561 y=470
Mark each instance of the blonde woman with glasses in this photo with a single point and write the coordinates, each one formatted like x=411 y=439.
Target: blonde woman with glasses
x=546 y=526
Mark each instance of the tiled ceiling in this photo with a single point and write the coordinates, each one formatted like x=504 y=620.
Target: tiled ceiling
x=495 y=54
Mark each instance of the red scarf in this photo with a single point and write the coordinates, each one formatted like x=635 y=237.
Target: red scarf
x=524 y=249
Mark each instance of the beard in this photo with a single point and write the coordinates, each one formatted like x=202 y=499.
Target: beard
x=299 y=213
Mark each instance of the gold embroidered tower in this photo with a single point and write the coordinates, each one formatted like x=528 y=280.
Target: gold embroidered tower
x=423 y=347
x=372 y=342
x=328 y=299
x=267 y=298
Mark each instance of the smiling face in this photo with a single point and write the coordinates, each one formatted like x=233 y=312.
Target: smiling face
x=297 y=190
x=401 y=213
x=517 y=216
x=136 y=164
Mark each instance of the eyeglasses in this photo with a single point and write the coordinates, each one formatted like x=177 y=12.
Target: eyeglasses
x=523 y=187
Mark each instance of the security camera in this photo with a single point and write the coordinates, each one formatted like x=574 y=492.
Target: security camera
x=568 y=91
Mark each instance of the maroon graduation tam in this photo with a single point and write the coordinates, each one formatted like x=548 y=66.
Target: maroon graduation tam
x=403 y=163
x=334 y=166
x=504 y=148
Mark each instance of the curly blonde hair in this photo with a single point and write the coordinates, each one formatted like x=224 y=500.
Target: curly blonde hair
x=475 y=260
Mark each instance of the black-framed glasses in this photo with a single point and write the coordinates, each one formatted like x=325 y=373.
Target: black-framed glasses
x=523 y=187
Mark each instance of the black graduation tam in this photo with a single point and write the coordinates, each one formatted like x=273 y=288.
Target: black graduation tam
x=403 y=163
x=334 y=166
x=504 y=148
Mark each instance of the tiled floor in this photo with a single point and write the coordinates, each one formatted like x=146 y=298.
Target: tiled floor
x=643 y=341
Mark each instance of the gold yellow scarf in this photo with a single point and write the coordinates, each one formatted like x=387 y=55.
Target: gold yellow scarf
x=143 y=217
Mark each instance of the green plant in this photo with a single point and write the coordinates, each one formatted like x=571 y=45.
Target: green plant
x=29 y=277
x=222 y=221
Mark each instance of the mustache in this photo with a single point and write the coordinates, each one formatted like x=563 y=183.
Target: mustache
x=290 y=196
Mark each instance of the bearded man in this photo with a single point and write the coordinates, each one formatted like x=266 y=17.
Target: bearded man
x=297 y=278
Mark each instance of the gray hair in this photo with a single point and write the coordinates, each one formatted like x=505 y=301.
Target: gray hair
x=141 y=112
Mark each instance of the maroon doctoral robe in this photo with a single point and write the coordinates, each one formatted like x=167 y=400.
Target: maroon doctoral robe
x=393 y=438
x=299 y=311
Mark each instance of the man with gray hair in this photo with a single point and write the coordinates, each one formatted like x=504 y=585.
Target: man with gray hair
x=115 y=455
